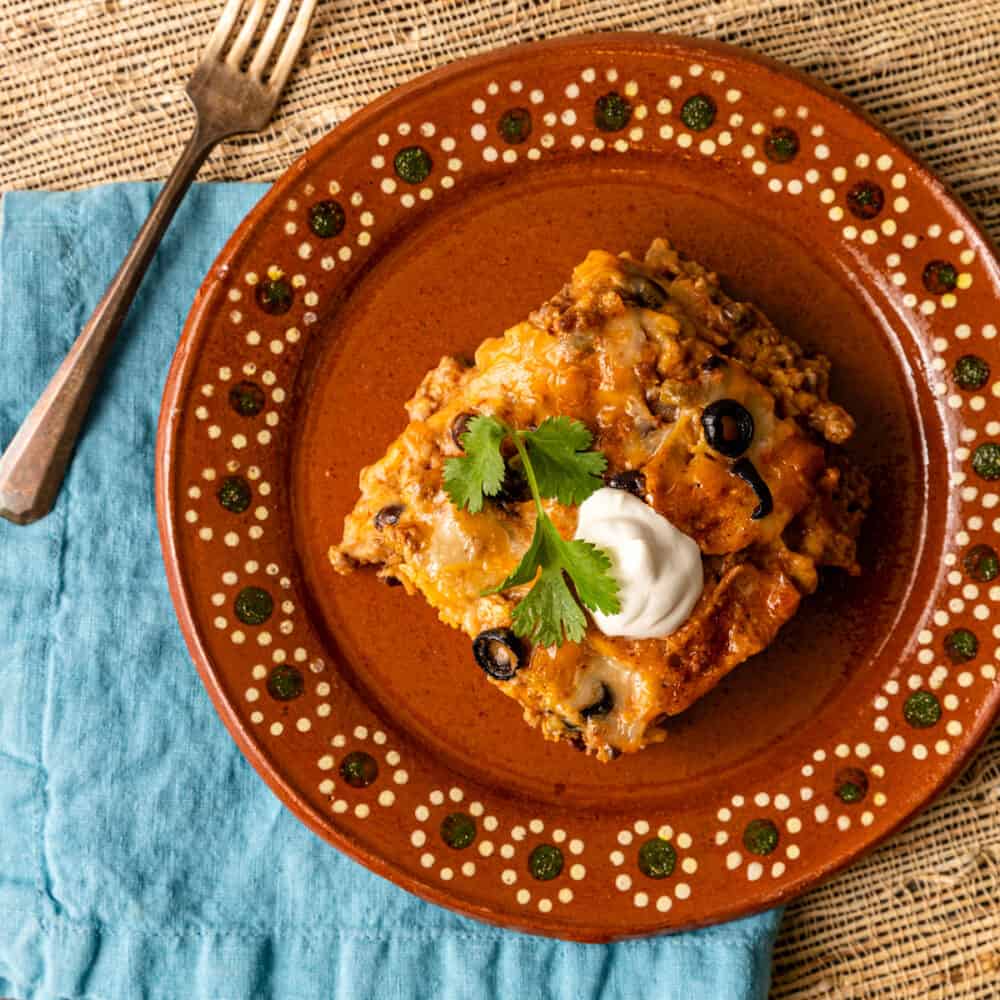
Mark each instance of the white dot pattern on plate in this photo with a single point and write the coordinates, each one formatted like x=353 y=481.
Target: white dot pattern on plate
x=823 y=173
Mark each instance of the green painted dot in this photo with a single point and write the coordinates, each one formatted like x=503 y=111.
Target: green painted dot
x=359 y=769
x=274 y=295
x=458 y=830
x=234 y=494
x=781 y=144
x=849 y=792
x=851 y=785
x=940 y=276
x=986 y=460
x=961 y=645
x=284 y=683
x=657 y=858
x=865 y=200
x=922 y=709
x=253 y=606
x=760 y=837
x=612 y=112
x=247 y=398
x=545 y=862
x=698 y=112
x=981 y=563
x=514 y=126
x=327 y=218
x=970 y=372
x=413 y=164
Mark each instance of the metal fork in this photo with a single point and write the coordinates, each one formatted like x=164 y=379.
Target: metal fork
x=227 y=100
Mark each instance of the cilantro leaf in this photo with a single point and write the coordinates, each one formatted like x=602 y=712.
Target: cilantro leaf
x=590 y=570
x=480 y=471
x=548 y=610
x=562 y=573
x=563 y=468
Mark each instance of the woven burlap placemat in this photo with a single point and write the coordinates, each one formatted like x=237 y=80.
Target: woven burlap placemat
x=91 y=91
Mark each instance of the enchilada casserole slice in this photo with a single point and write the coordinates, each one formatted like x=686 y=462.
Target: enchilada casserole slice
x=642 y=353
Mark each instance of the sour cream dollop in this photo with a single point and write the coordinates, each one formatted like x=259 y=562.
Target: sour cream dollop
x=657 y=566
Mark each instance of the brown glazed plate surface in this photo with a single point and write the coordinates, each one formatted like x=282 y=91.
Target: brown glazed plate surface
x=439 y=216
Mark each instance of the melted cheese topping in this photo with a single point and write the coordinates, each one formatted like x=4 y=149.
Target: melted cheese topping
x=623 y=348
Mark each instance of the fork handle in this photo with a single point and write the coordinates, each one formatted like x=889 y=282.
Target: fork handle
x=34 y=464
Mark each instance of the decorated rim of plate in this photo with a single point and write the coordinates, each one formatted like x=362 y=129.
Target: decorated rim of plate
x=452 y=835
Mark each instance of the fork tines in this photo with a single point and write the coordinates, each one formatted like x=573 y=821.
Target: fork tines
x=267 y=46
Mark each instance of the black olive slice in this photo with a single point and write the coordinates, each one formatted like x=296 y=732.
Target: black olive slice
x=389 y=514
x=631 y=480
x=459 y=426
x=601 y=707
x=747 y=471
x=499 y=652
x=728 y=427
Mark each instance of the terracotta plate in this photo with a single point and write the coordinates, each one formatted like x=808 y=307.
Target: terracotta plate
x=437 y=217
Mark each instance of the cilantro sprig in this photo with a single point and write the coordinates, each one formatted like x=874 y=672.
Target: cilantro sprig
x=557 y=464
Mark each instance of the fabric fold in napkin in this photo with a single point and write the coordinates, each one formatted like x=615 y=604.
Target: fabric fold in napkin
x=140 y=855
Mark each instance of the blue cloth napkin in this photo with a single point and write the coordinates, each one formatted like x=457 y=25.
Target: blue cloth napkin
x=140 y=855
